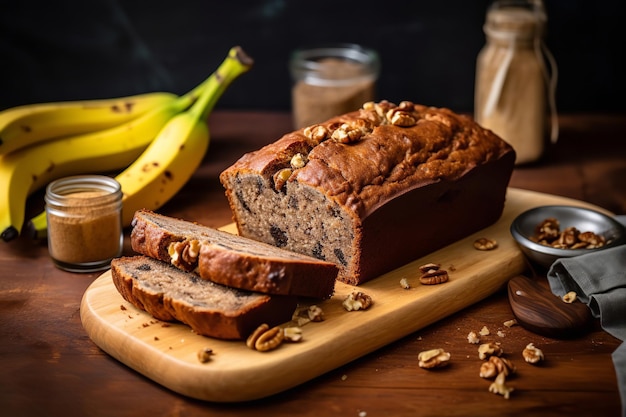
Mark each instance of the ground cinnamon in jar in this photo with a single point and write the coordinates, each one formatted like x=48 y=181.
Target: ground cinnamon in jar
x=84 y=222
x=331 y=80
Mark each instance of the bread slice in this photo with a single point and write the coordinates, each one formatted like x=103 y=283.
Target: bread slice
x=230 y=259
x=210 y=309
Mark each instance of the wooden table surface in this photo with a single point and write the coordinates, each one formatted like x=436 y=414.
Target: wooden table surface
x=49 y=367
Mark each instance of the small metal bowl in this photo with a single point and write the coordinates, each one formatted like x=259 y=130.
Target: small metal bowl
x=523 y=228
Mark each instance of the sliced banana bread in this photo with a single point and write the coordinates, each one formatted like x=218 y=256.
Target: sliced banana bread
x=230 y=259
x=373 y=189
x=210 y=309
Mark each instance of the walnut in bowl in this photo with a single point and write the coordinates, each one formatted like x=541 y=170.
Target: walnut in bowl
x=547 y=233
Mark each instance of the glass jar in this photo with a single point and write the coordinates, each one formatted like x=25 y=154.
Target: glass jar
x=514 y=89
x=84 y=218
x=330 y=80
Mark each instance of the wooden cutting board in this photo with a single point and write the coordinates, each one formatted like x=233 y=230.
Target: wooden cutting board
x=167 y=353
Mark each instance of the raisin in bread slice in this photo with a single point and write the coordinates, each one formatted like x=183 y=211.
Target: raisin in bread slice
x=210 y=309
x=230 y=259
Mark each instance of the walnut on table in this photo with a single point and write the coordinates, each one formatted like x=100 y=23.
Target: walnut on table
x=532 y=354
x=265 y=338
x=433 y=358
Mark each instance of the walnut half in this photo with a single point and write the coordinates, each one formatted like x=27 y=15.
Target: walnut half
x=532 y=354
x=184 y=254
x=357 y=300
x=487 y=350
x=495 y=366
x=433 y=358
x=499 y=386
x=264 y=339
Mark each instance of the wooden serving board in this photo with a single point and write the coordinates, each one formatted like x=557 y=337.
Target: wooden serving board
x=167 y=353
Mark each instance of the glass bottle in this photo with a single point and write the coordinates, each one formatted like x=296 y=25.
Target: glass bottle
x=515 y=89
x=84 y=219
x=330 y=80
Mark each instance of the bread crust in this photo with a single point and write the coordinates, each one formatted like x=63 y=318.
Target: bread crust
x=140 y=281
x=401 y=191
x=234 y=261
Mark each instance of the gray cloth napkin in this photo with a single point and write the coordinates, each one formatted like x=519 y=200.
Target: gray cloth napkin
x=599 y=280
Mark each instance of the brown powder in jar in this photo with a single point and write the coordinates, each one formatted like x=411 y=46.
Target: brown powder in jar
x=317 y=103
x=82 y=233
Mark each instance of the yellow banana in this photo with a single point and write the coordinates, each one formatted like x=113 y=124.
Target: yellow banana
x=174 y=155
x=29 y=124
x=26 y=170
x=171 y=159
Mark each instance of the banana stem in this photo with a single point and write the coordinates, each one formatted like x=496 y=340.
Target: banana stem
x=236 y=63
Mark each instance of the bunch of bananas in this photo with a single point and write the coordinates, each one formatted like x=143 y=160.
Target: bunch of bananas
x=154 y=141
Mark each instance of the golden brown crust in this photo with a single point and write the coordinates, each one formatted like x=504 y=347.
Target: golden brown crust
x=386 y=162
x=234 y=261
x=380 y=186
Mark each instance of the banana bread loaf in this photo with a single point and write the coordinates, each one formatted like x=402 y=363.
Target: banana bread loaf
x=372 y=189
x=170 y=294
x=229 y=259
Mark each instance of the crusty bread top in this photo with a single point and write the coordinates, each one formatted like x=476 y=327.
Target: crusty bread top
x=230 y=259
x=169 y=294
x=397 y=148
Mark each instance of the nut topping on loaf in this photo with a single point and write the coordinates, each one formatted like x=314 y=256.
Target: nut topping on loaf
x=381 y=186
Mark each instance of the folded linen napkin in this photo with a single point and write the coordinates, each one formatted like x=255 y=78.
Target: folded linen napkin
x=599 y=280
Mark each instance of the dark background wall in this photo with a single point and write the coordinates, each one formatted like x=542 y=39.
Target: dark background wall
x=65 y=50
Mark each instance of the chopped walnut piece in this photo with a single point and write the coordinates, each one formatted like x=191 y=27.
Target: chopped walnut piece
x=485 y=244
x=547 y=229
x=204 y=354
x=433 y=358
x=591 y=240
x=369 y=105
x=381 y=108
x=404 y=283
x=473 y=338
x=484 y=331
x=184 y=254
x=400 y=118
x=281 y=177
x=495 y=366
x=315 y=313
x=548 y=233
x=499 y=387
x=570 y=297
x=532 y=354
x=357 y=300
x=301 y=321
x=510 y=323
x=351 y=132
x=298 y=161
x=292 y=334
x=487 y=350
x=317 y=133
